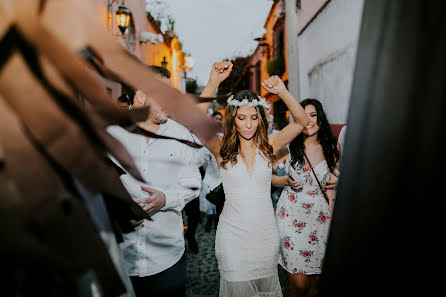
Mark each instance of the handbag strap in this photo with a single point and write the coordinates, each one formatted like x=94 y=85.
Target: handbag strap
x=314 y=173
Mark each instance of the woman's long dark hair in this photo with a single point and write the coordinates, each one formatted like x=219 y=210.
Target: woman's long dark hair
x=324 y=136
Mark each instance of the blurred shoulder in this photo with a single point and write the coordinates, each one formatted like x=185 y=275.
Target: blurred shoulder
x=117 y=131
x=177 y=130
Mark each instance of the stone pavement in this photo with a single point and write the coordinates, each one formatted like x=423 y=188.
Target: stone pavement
x=203 y=278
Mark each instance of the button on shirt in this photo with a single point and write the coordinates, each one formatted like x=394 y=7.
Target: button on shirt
x=170 y=167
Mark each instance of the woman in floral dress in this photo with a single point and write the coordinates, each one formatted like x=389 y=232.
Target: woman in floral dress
x=303 y=212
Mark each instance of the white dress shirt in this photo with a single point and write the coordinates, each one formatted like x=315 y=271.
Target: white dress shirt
x=170 y=167
x=212 y=176
x=211 y=180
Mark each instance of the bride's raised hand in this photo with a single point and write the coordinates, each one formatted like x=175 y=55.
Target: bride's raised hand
x=274 y=85
x=220 y=71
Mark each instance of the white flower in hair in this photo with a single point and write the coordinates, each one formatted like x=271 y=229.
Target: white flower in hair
x=245 y=102
x=263 y=102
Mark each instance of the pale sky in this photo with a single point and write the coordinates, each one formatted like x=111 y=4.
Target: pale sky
x=212 y=30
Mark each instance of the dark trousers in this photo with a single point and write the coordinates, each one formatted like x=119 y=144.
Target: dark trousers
x=168 y=283
x=192 y=210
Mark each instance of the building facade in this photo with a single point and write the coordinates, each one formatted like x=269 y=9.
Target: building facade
x=328 y=32
x=165 y=47
x=327 y=55
x=143 y=38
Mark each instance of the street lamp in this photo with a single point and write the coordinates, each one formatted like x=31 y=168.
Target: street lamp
x=263 y=44
x=123 y=17
x=164 y=63
x=189 y=63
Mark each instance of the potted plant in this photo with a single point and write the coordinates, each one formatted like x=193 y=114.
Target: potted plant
x=276 y=66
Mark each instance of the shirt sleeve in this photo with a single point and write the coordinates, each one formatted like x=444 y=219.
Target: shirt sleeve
x=188 y=185
x=202 y=156
x=212 y=176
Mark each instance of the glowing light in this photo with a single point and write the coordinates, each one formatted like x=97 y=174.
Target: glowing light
x=123 y=17
x=189 y=62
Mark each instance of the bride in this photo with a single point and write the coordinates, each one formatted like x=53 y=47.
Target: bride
x=247 y=239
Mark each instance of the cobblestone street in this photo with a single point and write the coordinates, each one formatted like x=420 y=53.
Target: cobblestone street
x=202 y=271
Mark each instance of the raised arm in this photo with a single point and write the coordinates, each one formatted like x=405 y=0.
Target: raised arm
x=280 y=139
x=220 y=71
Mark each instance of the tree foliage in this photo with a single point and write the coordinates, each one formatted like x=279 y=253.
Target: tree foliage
x=238 y=79
x=276 y=66
x=191 y=86
x=162 y=13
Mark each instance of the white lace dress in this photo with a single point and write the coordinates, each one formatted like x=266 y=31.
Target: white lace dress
x=247 y=240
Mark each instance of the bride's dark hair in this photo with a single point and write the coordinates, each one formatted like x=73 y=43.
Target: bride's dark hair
x=231 y=143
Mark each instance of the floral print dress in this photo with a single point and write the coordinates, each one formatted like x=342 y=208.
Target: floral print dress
x=303 y=218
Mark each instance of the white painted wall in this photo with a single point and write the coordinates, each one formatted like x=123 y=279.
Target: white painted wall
x=327 y=56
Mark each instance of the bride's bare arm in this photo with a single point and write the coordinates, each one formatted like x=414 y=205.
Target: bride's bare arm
x=280 y=139
x=220 y=71
x=214 y=145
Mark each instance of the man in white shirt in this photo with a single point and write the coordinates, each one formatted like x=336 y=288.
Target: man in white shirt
x=211 y=180
x=154 y=252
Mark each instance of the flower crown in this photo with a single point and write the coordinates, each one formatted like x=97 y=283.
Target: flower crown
x=261 y=101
